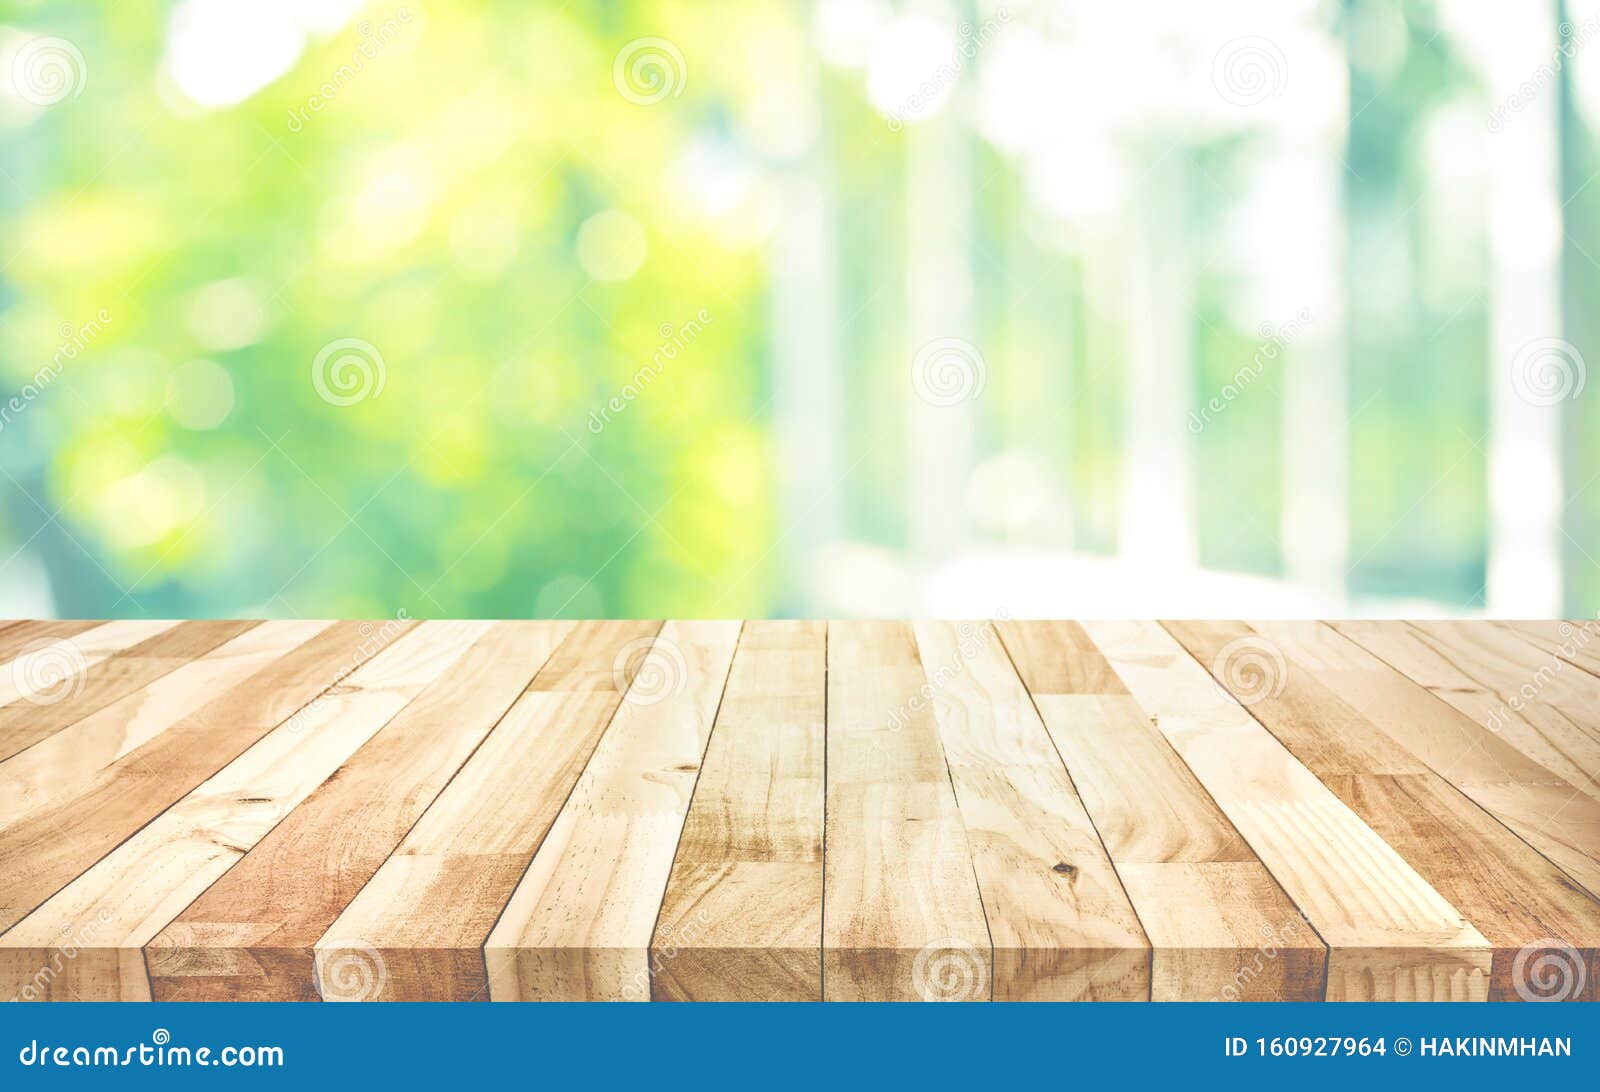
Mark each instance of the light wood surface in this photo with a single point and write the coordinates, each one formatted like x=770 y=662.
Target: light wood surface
x=743 y=906
x=703 y=810
x=1219 y=925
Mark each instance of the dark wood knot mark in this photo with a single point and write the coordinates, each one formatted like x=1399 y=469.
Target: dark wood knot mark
x=686 y=767
x=1065 y=869
x=255 y=800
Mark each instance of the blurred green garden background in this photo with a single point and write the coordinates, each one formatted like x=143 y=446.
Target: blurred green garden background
x=785 y=308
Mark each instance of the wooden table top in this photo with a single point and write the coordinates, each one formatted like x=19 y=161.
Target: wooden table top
x=709 y=810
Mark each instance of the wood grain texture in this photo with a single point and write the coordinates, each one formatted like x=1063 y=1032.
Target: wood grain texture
x=741 y=918
x=50 y=685
x=1060 y=923
x=47 y=848
x=1512 y=689
x=67 y=760
x=251 y=936
x=1220 y=926
x=799 y=810
x=418 y=928
x=579 y=925
x=902 y=920
x=18 y=635
x=1556 y=818
x=1391 y=936
x=1508 y=891
x=1577 y=642
x=119 y=905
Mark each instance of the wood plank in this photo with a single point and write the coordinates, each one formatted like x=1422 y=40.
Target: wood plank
x=578 y=927
x=1508 y=695
x=1553 y=816
x=120 y=904
x=1509 y=892
x=741 y=919
x=1061 y=925
x=94 y=681
x=902 y=918
x=1220 y=925
x=63 y=763
x=50 y=847
x=419 y=926
x=251 y=936
x=1576 y=642
x=1391 y=936
x=19 y=635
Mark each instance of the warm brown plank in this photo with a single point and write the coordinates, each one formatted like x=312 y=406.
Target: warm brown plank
x=1553 y=816
x=1509 y=892
x=250 y=937
x=902 y=919
x=416 y=931
x=65 y=762
x=19 y=635
x=51 y=846
x=24 y=723
x=1061 y=924
x=1502 y=683
x=119 y=905
x=741 y=919
x=578 y=926
x=1391 y=935
x=1220 y=925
